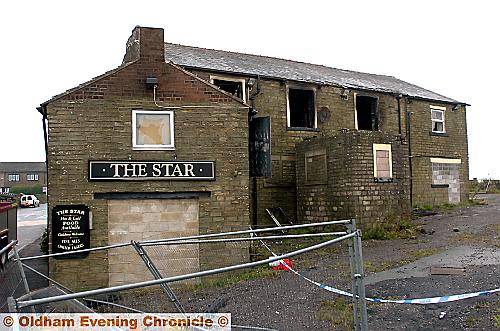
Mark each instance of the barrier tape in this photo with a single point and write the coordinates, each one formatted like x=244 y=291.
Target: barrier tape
x=421 y=301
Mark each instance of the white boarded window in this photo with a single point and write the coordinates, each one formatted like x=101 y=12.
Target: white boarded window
x=437 y=118
x=152 y=129
x=382 y=161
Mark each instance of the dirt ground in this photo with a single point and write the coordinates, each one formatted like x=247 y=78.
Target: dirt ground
x=466 y=237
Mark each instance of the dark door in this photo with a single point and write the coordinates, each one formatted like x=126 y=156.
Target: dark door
x=260 y=146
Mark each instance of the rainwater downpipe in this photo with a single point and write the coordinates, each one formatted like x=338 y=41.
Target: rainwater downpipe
x=43 y=110
x=410 y=156
x=251 y=114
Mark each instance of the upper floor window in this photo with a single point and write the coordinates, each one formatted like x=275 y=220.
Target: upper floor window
x=301 y=108
x=32 y=177
x=437 y=118
x=366 y=113
x=13 y=177
x=382 y=162
x=153 y=130
x=234 y=86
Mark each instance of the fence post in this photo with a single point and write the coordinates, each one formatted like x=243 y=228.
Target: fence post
x=157 y=275
x=351 y=227
x=358 y=257
x=23 y=275
x=11 y=303
x=21 y=270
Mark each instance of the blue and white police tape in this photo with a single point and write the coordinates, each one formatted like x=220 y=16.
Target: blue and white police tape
x=421 y=301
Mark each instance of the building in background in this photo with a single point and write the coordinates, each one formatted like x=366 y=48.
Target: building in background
x=23 y=175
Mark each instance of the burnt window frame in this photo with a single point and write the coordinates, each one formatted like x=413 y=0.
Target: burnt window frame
x=377 y=110
x=231 y=79
x=151 y=147
x=288 y=118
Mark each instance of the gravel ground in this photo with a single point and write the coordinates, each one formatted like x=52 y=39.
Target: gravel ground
x=287 y=302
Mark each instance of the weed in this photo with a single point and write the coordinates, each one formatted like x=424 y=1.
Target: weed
x=496 y=320
x=338 y=312
x=235 y=278
x=391 y=229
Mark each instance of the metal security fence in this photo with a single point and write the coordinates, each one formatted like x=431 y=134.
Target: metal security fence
x=213 y=284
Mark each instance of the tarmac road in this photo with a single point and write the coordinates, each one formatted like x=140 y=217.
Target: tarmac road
x=31 y=222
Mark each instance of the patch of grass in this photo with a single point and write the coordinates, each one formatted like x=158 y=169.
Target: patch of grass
x=391 y=229
x=425 y=207
x=44 y=243
x=378 y=267
x=496 y=319
x=231 y=279
x=418 y=254
x=338 y=312
x=470 y=321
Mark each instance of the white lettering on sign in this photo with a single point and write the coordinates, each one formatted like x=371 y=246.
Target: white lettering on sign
x=121 y=170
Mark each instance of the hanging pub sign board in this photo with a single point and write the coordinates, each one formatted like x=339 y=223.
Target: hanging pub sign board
x=151 y=170
x=70 y=229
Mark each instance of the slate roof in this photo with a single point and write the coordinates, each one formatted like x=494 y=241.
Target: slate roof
x=270 y=67
x=22 y=167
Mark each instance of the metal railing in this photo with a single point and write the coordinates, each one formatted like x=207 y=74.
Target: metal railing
x=351 y=235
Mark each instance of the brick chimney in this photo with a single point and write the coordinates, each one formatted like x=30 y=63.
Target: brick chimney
x=147 y=44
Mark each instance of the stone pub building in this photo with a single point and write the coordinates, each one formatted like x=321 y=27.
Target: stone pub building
x=180 y=140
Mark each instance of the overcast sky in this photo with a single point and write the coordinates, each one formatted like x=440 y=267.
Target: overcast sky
x=448 y=47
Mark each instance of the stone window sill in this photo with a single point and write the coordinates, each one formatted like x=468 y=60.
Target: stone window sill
x=440 y=185
x=438 y=134
x=383 y=180
x=302 y=129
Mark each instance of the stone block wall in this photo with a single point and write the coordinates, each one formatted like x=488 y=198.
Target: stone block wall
x=94 y=122
x=350 y=190
x=426 y=145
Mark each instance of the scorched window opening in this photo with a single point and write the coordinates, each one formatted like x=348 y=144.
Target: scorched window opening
x=366 y=113
x=232 y=86
x=301 y=108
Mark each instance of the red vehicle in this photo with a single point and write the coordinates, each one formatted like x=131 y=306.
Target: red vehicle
x=8 y=228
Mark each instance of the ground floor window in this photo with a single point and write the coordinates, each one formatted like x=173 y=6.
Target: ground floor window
x=446 y=174
x=382 y=162
x=152 y=129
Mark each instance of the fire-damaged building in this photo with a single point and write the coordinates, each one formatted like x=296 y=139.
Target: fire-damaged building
x=180 y=140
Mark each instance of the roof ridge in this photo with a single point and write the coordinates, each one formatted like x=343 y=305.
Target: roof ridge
x=279 y=58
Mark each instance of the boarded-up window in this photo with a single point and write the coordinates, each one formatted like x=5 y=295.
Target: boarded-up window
x=382 y=161
x=153 y=129
x=283 y=173
x=316 y=167
x=446 y=174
